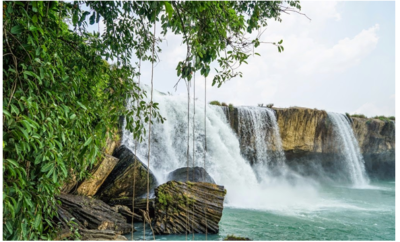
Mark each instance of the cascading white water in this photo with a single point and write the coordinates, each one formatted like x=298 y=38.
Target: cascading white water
x=224 y=161
x=350 y=149
x=259 y=132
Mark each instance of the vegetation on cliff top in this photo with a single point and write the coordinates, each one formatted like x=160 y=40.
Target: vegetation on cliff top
x=381 y=117
x=61 y=96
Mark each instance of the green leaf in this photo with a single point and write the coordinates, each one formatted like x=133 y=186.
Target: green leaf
x=6 y=113
x=38 y=220
x=168 y=9
x=75 y=18
x=280 y=42
x=13 y=162
x=46 y=167
x=17 y=29
x=32 y=28
x=88 y=141
x=9 y=226
x=14 y=109
x=92 y=18
x=73 y=116
x=34 y=18
x=83 y=106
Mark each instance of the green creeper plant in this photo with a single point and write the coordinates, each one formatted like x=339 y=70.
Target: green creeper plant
x=61 y=96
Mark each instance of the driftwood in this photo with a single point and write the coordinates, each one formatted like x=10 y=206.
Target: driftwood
x=94 y=214
x=188 y=207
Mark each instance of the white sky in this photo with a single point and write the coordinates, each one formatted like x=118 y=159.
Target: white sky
x=343 y=60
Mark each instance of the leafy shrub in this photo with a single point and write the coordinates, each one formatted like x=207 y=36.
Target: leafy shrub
x=224 y=104
x=215 y=103
x=384 y=118
x=60 y=98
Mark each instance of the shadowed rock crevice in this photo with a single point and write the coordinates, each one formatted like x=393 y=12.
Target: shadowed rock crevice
x=118 y=185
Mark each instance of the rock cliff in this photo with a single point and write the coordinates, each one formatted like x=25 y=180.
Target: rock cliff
x=309 y=145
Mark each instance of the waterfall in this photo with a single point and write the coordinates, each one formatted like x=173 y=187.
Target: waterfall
x=260 y=140
x=247 y=186
x=349 y=148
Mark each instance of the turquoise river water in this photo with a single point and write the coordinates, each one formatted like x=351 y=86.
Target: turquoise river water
x=341 y=213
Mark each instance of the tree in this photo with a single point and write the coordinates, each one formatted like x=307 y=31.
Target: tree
x=61 y=96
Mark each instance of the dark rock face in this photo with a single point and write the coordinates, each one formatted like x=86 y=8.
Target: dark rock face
x=92 y=213
x=119 y=184
x=191 y=207
x=196 y=174
x=377 y=142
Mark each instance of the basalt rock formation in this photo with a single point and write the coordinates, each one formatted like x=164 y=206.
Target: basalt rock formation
x=193 y=174
x=190 y=207
x=93 y=213
x=119 y=183
x=309 y=145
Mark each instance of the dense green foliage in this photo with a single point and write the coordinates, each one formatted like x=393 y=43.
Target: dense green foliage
x=60 y=96
x=60 y=99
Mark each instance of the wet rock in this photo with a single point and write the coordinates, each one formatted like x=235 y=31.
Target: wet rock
x=193 y=207
x=99 y=174
x=119 y=183
x=93 y=213
x=235 y=238
x=376 y=139
x=127 y=213
x=195 y=174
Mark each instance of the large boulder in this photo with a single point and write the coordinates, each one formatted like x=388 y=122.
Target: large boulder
x=119 y=184
x=188 y=207
x=195 y=174
x=99 y=174
x=92 y=213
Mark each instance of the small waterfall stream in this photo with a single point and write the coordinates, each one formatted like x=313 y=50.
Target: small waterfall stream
x=350 y=149
x=260 y=141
